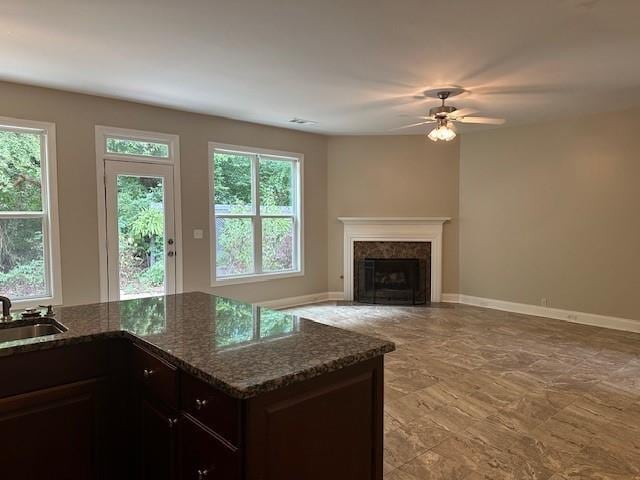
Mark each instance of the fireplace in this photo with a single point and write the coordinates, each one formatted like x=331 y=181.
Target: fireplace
x=392 y=273
x=391 y=281
x=425 y=232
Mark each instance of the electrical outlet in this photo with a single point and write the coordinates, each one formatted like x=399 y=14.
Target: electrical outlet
x=544 y=302
x=198 y=234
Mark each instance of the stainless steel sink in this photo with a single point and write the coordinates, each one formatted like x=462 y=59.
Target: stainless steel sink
x=20 y=331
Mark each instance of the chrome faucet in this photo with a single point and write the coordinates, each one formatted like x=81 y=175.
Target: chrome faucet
x=6 y=309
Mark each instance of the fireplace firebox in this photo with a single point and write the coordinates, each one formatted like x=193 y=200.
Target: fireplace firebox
x=390 y=281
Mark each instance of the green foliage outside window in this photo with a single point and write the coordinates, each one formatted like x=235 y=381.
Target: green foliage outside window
x=136 y=147
x=22 y=272
x=141 y=233
x=233 y=195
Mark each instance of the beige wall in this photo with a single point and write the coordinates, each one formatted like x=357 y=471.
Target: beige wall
x=546 y=211
x=392 y=176
x=75 y=117
x=553 y=211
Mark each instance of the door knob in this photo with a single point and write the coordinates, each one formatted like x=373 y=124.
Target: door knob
x=171 y=254
x=200 y=404
x=202 y=473
x=147 y=372
x=170 y=241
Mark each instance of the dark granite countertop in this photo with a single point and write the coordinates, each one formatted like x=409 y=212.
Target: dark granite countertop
x=240 y=348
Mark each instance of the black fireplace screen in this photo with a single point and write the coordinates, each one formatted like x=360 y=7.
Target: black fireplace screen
x=391 y=281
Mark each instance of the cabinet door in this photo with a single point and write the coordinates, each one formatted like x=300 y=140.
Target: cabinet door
x=157 y=439
x=204 y=455
x=52 y=433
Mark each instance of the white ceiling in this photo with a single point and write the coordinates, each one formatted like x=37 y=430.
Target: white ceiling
x=353 y=66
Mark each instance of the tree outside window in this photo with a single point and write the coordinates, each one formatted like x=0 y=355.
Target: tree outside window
x=256 y=199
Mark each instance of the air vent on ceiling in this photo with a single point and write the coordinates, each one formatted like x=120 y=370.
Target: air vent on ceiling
x=302 y=121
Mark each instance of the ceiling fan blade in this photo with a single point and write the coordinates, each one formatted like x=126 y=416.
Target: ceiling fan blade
x=483 y=120
x=463 y=112
x=414 y=125
x=422 y=117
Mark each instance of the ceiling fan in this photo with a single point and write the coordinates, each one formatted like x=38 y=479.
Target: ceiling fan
x=445 y=116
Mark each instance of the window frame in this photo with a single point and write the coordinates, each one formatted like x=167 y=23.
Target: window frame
x=49 y=213
x=257 y=216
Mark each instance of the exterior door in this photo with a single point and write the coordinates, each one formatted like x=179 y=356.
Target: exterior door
x=141 y=250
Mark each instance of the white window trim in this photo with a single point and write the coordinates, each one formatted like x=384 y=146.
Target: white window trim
x=102 y=132
x=51 y=223
x=299 y=214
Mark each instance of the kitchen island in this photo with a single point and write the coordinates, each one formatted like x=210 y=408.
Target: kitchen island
x=192 y=386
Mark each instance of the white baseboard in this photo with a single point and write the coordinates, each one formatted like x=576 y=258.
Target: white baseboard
x=337 y=296
x=595 y=320
x=297 y=301
x=450 y=298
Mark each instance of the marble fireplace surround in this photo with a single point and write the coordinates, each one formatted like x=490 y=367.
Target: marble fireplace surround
x=394 y=229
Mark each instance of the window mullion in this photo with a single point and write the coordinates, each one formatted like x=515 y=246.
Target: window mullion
x=22 y=215
x=257 y=222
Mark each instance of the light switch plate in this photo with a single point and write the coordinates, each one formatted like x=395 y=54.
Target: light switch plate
x=198 y=234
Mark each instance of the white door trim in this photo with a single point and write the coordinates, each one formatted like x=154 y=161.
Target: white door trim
x=393 y=229
x=101 y=133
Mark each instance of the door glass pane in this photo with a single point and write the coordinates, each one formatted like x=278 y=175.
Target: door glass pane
x=141 y=236
x=277 y=244
x=276 y=187
x=20 y=174
x=232 y=183
x=234 y=246
x=22 y=270
x=137 y=147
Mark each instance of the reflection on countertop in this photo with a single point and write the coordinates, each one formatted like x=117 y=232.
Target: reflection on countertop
x=232 y=324
x=241 y=348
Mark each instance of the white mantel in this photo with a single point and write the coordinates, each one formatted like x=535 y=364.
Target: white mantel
x=394 y=229
x=394 y=220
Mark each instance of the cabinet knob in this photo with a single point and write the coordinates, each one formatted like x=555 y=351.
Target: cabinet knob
x=202 y=473
x=200 y=404
x=172 y=422
x=147 y=372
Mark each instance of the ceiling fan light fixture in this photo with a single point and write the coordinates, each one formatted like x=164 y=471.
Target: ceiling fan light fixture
x=444 y=131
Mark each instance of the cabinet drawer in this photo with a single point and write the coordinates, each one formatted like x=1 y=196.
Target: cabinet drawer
x=156 y=377
x=203 y=456
x=213 y=408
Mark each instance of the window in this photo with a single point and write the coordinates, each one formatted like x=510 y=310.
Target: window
x=256 y=213
x=140 y=148
x=29 y=245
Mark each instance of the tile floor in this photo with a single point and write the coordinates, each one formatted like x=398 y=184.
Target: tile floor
x=474 y=393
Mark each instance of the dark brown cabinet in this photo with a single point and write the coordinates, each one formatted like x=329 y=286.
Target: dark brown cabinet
x=53 y=432
x=111 y=409
x=212 y=408
x=203 y=456
x=157 y=436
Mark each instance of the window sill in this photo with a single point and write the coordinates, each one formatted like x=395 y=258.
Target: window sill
x=261 y=277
